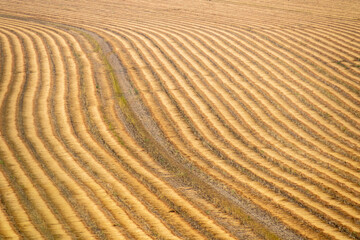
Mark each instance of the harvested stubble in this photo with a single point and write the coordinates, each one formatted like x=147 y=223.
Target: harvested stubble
x=180 y=119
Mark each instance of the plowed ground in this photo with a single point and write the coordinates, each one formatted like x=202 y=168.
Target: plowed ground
x=216 y=119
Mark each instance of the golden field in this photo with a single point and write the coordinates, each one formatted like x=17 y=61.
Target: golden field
x=205 y=119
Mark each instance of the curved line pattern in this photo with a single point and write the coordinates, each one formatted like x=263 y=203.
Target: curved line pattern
x=189 y=128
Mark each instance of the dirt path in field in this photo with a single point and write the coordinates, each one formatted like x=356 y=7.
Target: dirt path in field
x=146 y=118
x=205 y=131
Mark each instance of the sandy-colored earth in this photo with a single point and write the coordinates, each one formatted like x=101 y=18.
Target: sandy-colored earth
x=206 y=119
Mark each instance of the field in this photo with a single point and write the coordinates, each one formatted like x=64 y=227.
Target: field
x=205 y=119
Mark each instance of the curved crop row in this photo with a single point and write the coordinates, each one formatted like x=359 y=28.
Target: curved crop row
x=192 y=114
x=159 y=120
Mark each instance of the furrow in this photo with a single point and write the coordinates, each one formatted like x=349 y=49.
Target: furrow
x=331 y=90
x=193 y=114
x=168 y=126
x=335 y=58
x=202 y=27
x=216 y=87
x=18 y=214
x=168 y=103
x=262 y=55
x=6 y=228
x=7 y=64
x=28 y=121
x=120 y=189
x=17 y=76
x=223 y=77
x=42 y=152
x=234 y=140
x=342 y=126
x=330 y=40
x=165 y=189
x=166 y=211
x=83 y=159
x=163 y=119
x=344 y=34
x=339 y=80
x=118 y=170
x=89 y=90
x=66 y=169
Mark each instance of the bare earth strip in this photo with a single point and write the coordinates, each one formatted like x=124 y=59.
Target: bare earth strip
x=167 y=106
x=193 y=112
